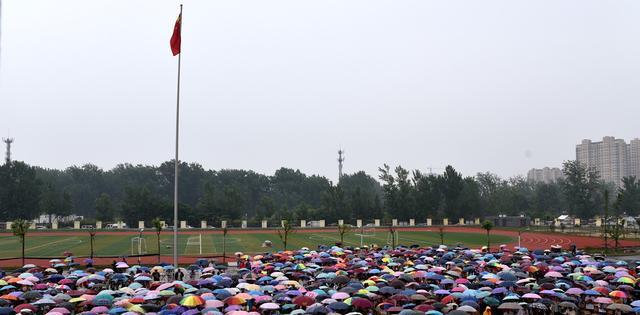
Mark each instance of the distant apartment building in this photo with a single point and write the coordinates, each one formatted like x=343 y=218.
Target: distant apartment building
x=612 y=158
x=544 y=175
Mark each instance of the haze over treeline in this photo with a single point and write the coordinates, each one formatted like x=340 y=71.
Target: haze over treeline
x=143 y=192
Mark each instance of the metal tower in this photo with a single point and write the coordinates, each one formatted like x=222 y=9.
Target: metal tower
x=8 y=141
x=340 y=160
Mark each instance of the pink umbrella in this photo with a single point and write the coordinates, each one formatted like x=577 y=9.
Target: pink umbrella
x=603 y=300
x=233 y=308
x=238 y=313
x=100 y=309
x=270 y=306
x=60 y=310
x=213 y=303
x=263 y=298
x=164 y=286
x=25 y=282
x=340 y=296
x=531 y=296
x=574 y=291
x=553 y=274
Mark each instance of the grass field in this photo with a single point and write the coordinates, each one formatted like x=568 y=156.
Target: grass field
x=188 y=244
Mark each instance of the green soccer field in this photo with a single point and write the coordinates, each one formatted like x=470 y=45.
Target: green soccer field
x=191 y=244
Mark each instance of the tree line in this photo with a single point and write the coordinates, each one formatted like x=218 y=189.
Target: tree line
x=142 y=192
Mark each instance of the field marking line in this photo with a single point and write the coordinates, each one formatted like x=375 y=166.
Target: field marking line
x=54 y=242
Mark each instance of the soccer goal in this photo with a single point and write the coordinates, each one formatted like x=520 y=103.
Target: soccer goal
x=391 y=237
x=195 y=240
x=365 y=233
x=138 y=246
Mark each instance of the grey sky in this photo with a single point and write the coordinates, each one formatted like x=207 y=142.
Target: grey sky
x=497 y=86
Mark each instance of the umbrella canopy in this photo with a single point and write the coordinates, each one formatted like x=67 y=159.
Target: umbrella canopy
x=192 y=301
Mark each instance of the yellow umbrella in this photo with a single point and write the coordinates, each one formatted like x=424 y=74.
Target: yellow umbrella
x=136 y=309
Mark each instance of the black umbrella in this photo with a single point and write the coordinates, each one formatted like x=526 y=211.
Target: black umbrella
x=150 y=307
x=314 y=310
x=349 y=290
x=340 y=280
x=66 y=305
x=507 y=276
x=31 y=295
x=387 y=290
x=7 y=311
x=193 y=267
x=339 y=306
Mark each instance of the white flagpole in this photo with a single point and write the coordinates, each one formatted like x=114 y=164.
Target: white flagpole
x=177 y=161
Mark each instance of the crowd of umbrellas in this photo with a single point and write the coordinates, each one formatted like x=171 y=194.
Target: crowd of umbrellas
x=335 y=280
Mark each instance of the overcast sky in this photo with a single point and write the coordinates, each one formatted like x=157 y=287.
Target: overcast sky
x=500 y=86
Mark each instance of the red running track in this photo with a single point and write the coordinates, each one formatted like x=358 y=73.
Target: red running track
x=540 y=240
x=530 y=240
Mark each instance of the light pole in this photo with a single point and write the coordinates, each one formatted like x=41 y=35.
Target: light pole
x=140 y=244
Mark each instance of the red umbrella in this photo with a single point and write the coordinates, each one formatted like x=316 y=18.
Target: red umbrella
x=25 y=307
x=400 y=298
x=303 y=300
x=447 y=299
x=423 y=308
x=361 y=303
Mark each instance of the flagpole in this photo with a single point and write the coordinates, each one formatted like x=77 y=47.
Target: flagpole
x=177 y=161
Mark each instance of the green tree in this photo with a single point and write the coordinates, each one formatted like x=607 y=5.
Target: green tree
x=580 y=187
x=452 y=186
x=231 y=202
x=361 y=192
x=157 y=226
x=19 y=228
x=104 y=208
x=488 y=186
x=398 y=192
x=629 y=196
x=428 y=194
x=488 y=226
x=208 y=205
x=139 y=204
x=334 y=204
x=20 y=191
x=547 y=198
x=50 y=202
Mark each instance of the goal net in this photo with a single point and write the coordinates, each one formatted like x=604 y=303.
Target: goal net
x=196 y=241
x=138 y=246
x=364 y=234
x=392 y=237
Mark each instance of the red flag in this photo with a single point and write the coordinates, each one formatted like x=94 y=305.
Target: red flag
x=175 y=38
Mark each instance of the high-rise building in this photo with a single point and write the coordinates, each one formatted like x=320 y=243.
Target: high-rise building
x=612 y=158
x=544 y=175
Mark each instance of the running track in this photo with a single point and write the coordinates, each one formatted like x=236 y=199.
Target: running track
x=530 y=240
